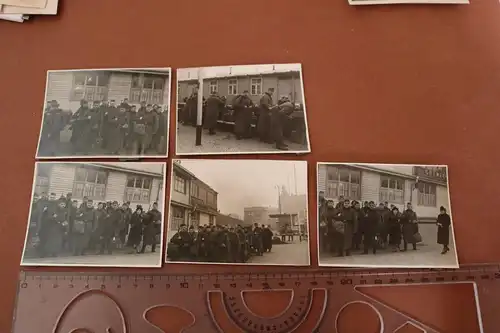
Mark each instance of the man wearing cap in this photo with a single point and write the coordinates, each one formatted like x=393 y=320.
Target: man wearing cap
x=152 y=228
x=83 y=227
x=76 y=122
x=190 y=110
x=264 y=122
x=117 y=127
x=53 y=124
x=409 y=221
x=52 y=229
x=371 y=220
x=214 y=106
x=109 y=227
x=144 y=125
x=243 y=112
x=279 y=116
x=125 y=104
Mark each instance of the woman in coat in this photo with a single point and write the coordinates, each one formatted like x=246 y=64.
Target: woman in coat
x=135 y=234
x=394 y=229
x=443 y=234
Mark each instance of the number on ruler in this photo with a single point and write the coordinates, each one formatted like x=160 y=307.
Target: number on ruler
x=345 y=281
x=378 y=281
x=184 y=285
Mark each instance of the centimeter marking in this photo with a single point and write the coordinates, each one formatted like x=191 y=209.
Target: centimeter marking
x=266 y=280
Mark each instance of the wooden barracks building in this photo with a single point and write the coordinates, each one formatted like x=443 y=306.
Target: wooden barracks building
x=425 y=187
x=69 y=87
x=285 y=83
x=103 y=182
x=192 y=201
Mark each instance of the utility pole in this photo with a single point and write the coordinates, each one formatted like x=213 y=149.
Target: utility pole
x=199 y=114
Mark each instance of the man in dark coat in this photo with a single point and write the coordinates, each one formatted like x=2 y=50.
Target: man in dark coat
x=52 y=229
x=234 y=245
x=340 y=204
x=279 y=116
x=267 y=238
x=190 y=111
x=77 y=124
x=371 y=222
x=145 y=125
x=82 y=228
x=443 y=234
x=409 y=221
x=346 y=216
x=264 y=121
x=117 y=127
x=108 y=228
x=179 y=247
x=53 y=123
x=243 y=106
x=357 y=234
x=152 y=227
x=214 y=106
x=323 y=230
x=123 y=229
x=257 y=239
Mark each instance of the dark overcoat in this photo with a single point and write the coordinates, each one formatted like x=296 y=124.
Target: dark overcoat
x=443 y=234
x=214 y=106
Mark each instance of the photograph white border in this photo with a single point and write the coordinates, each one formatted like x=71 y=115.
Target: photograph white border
x=409 y=2
x=296 y=152
x=97 y=164
x=386 y=266
x=87 y=157
x=167 y=240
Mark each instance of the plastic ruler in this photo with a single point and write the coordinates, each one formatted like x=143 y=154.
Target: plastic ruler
x=293 y=301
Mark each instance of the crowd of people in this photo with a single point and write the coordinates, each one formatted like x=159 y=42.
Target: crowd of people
x=64 y=227
x=105 y=127
x=346 y=227
x=271 y=119
x=221 y=244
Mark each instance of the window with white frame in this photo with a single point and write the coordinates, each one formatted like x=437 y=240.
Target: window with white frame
x=179 y=184
x=138 y=189
x=178 y=214
x=148 y=88
x=92 y=86
x=342 y=181
x=213 y=87
x=232 y=87
x=426 y=194
x=392 y=189
x=256 y=86
x=90 y=183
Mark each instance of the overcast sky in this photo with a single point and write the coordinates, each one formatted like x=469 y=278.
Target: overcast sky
x=210 y=72
x=243 y=183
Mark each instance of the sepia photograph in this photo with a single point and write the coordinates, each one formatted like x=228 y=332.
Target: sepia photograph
x=96 y=214
x=385 y=215
x=246 y=109
x=97 y=113
x=247 y=212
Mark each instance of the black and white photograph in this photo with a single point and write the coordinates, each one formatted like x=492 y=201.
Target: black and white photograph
x=385 y=215
x=97 y=113
x=246 y=109
x=96 y=214
x=246 y=212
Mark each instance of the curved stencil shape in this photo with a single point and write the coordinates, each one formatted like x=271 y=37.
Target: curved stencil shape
x=409 y=327
x=359 y=316
x=105 y=313
x=429 y=305
x=169 y=318
x=267 y=303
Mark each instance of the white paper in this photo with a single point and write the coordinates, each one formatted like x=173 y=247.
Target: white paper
x=50 y=9
x=12 y=17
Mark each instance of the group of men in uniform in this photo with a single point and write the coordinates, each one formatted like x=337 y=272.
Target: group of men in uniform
x=346 y=226
x=105 y=127
x=217 y=243
x=62 y=226
x=271 y=118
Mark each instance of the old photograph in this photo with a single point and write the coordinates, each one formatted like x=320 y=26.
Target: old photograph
x=385 y=215
x=250 y=212
x=96 y=214
x=105 y=113
x=247 y=109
